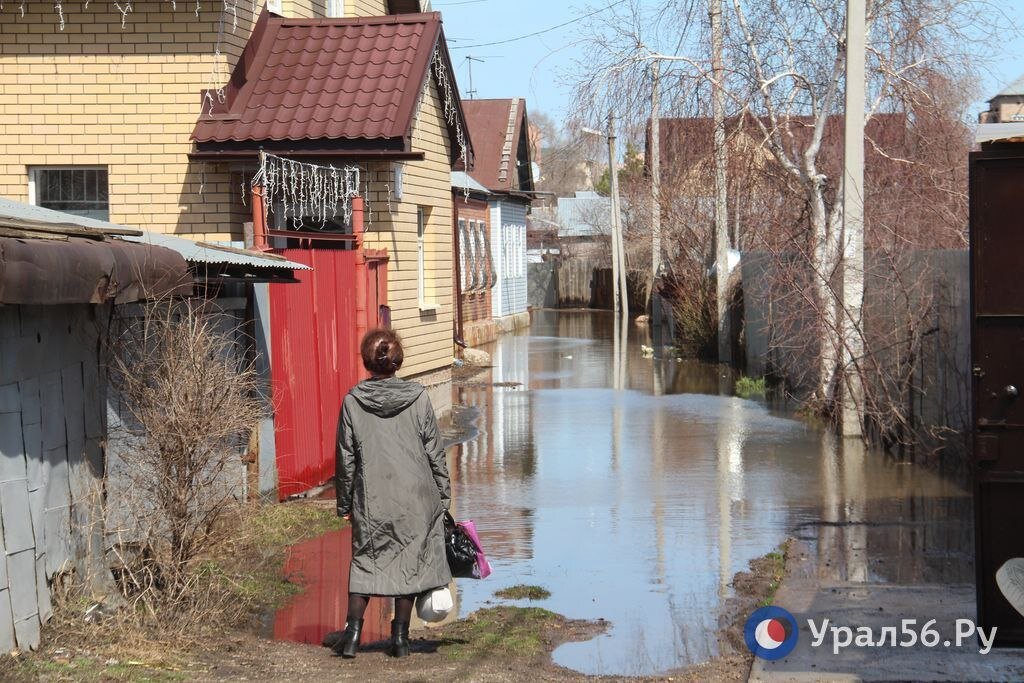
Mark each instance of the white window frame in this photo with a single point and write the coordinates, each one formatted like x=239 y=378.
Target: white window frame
x=481 y=250
x=462 y=255
x=275 y=6
x=422 y=224
x=335 y=8
x=33 y=180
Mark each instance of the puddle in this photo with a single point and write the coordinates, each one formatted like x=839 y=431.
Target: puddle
x=320 y=565
x=639 y=505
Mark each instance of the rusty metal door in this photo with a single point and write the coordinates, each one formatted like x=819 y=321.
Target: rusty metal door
x=316 y=361
x=997 y=351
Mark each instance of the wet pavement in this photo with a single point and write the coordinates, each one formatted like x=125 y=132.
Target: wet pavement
x=639 y=504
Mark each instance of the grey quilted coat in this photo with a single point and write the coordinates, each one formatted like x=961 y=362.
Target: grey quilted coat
x=392 y=478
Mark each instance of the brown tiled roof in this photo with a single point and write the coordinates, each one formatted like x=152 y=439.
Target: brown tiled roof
x=335 y=81
x=496 y=127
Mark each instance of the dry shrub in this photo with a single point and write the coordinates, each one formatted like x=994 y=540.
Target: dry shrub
x=188 y=401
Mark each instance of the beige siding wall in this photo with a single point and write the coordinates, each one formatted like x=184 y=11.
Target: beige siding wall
x=427 y=333
x=127 y=99
x=366 y=8
x=318 y=8
x=304 y=9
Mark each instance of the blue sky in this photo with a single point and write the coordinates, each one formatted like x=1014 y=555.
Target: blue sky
x=532 y=68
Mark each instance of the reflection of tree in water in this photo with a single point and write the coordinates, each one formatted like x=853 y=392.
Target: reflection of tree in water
x=501 y=460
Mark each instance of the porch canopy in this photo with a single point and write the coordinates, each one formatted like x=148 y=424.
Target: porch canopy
x=332 y=87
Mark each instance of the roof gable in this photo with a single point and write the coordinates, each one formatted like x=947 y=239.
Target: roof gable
x=1013 y=89
x=500 y=132
x=340 y=83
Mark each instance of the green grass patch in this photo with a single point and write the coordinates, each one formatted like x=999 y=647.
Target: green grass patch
x=776 y=567
x=261 y=546
x=284 y=524
x=500 y=632
x=748 y=387
x=523 y=592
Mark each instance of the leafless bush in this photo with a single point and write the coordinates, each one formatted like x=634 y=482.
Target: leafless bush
x=188 y=401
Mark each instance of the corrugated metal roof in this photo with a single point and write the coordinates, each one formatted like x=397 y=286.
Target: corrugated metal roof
x=326 y=79
x=993 y=132
x=463 y=181
x=585 y=215
x=194 y=252
x=204 y=252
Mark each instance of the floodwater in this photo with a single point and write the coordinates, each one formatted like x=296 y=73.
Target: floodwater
x=638 y=504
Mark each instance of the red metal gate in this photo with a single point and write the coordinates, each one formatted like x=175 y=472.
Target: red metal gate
x=315 y=362
x=316 y=325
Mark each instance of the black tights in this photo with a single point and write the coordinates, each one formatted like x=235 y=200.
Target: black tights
x=357 y=606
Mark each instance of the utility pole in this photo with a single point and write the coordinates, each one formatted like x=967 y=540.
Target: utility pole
x=853 y=217
x=618 y=249
x=721 y=189
x=655 y=164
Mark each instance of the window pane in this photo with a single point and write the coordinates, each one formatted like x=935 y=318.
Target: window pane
x=82 y=192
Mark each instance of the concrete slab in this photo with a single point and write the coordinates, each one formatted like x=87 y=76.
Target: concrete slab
x=22 y=570
x=10 y=399
x=12 y=447
x=27 y=632
x=14 y=506
x=7 y=642
x=874 y=605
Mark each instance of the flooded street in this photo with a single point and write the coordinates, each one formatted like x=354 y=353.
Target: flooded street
x=639 y=505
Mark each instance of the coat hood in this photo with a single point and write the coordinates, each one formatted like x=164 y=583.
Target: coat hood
x=386 y=397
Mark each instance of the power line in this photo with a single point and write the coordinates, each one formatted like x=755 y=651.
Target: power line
x=541 y=32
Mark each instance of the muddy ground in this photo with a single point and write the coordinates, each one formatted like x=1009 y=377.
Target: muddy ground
x=497 y=644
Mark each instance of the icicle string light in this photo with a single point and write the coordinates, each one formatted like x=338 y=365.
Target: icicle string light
x=449 y=99
x=305 y=190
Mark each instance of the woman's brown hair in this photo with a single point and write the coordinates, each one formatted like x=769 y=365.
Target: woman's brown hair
x=382 y=352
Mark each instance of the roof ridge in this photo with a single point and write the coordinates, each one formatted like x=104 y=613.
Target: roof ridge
x=418 y=18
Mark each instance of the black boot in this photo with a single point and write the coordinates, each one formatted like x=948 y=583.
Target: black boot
x=399 y=639
x=347 y=645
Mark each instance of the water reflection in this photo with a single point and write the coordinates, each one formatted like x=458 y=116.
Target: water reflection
x=320 y=565
x=639 y=505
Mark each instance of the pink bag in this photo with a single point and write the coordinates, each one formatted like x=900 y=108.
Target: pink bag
x=482 y=569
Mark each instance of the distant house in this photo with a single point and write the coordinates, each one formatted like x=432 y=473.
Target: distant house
x=475 y=275
x=1007 y=106
x=584 y=224
x=501 y=145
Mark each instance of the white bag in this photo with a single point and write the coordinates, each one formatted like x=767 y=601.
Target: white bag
x=433 y=606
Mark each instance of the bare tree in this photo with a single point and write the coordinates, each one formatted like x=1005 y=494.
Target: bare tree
x=188 y=401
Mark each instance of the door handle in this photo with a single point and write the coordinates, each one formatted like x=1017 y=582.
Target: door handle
x=1011 y=392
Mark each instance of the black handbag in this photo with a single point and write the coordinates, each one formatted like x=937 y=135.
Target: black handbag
x=459 y=548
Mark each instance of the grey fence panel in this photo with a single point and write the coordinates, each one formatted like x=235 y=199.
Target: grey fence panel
x=542 y=282
x=50 y=391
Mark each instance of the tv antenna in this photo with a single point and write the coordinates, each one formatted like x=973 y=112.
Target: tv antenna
x=471 y=92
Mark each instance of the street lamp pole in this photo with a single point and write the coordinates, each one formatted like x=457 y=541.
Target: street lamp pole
x=618 y=247
x=853 y=218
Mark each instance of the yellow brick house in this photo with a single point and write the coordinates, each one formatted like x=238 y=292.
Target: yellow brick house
x=140 y=118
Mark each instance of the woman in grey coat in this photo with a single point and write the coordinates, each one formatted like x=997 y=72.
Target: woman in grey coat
x=392 y=483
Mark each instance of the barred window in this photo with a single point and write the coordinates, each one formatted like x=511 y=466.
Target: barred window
x=78 y=191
